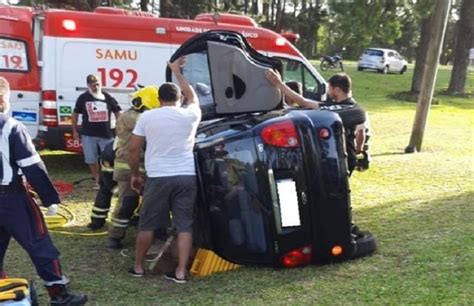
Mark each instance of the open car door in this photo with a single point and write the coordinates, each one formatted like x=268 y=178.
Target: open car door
x=227 y=74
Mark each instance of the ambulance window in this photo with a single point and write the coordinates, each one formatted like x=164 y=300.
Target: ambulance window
x=13 y=55
x=295 y=71
x=196 y=71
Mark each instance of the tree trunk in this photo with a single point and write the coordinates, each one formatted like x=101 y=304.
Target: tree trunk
x=464 y=41
x=166 y=8
x=438 y=30
x=144 y=5
x=421 y=52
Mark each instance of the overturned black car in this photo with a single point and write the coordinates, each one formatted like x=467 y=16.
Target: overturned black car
x=273 y=181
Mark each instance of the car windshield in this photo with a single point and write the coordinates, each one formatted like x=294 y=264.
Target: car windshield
x=373 y=52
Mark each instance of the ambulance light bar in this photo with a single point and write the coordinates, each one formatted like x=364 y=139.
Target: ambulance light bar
x=69 y=25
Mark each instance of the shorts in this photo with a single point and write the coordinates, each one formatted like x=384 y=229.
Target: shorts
x=91 y=146
x=164 y=194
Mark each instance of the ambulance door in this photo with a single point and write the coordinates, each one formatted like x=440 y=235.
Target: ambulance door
x=18 y=65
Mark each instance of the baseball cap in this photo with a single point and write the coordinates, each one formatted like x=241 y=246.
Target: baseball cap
x=91 y=78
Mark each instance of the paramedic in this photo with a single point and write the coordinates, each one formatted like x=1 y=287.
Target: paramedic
x=20 y=217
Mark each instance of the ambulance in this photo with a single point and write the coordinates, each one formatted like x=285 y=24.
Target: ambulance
x=47 y=55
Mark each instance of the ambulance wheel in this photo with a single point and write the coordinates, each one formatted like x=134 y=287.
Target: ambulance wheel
x=365 y=245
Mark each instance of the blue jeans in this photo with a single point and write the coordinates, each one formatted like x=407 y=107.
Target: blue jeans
x=91 y=147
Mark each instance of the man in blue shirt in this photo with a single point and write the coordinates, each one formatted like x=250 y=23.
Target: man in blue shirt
x=20 y=217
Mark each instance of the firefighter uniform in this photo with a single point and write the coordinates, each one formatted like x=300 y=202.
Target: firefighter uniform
x=107 y=184
x=142 y=100
x=20 y=217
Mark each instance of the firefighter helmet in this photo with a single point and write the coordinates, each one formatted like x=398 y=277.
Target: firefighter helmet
x=145 y=98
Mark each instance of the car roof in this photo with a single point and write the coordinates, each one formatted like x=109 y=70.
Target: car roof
x=382 y=49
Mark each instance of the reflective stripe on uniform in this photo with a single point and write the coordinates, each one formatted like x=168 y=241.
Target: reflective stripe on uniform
x=5 y=145
x=98 y=216
x=98 y=209
x=29 y=161
x=119 y=222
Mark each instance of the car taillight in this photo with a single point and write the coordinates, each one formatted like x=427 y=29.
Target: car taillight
x=324 y=133
x=382 y=60
x=49 y=108
x=281 y=134
x=298 y=257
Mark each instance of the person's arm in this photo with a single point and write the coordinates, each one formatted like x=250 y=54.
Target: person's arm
x=360 y=138
x=135 y=146
x=74 y=118
x=26 y=157
x=290 y=95
x=187 y=89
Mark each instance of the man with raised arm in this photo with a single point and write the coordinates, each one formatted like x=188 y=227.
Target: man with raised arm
x=169 y=133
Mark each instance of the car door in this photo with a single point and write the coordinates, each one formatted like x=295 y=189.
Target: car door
x=227 y=74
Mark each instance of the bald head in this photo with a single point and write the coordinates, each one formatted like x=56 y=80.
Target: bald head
x=4 y=95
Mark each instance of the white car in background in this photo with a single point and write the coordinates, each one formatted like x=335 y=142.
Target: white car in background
x=382 y=60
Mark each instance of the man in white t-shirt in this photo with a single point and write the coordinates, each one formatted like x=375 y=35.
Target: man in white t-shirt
x=169 y=133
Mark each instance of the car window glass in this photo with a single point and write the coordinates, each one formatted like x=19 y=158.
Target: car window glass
x=295 y=71
x=196 y=71
x=390 y=54
x=13 y=55
x=373 y=52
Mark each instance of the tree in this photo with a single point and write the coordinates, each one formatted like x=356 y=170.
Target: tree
x=464 y=41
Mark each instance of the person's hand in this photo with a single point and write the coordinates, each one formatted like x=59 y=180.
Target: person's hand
x=177 y=64
x=75 y=135
x=52 y=210
x=137 y=183
x=273 y=77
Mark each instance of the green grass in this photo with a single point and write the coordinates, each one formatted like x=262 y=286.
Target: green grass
x=420 y=206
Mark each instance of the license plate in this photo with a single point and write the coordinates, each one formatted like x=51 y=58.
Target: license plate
x=289 y=209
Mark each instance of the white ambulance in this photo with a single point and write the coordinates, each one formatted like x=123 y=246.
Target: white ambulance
x=123 y=48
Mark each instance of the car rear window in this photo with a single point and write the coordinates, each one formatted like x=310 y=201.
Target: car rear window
x=373 y=52
x=13 y=55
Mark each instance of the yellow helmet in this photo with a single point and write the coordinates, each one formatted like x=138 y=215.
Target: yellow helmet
x=145 y=98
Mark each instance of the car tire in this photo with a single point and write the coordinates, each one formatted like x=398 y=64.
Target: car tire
x=360 y=69
x=365 y=246
x=384 y=70
x=324 y=65
x=404 y=69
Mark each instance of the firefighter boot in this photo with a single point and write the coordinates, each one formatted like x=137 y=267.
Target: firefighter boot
x=59 y=295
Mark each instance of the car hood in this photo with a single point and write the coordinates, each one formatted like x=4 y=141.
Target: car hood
x=227 y=74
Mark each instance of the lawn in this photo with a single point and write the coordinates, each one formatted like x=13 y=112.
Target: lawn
x=420 y=206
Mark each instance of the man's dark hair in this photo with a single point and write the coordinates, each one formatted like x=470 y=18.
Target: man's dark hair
x=295 y=86
x=341 y=80
x=169 y=92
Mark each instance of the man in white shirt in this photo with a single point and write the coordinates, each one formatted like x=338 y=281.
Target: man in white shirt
x=169 y=133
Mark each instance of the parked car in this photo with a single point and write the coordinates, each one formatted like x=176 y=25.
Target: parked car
x=382 y=60
x=273 y=182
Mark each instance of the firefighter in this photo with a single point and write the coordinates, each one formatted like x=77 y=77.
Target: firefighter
x=20 y=217
x=107 y=184
x=143 y=100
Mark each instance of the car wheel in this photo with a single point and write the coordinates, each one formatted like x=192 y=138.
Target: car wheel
x=360 y=69
x=324 y=65
x=403 y=70
x=384 y=70
x=365 y=245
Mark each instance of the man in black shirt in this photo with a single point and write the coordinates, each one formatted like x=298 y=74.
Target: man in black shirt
x=341 y=102
x=95 y=106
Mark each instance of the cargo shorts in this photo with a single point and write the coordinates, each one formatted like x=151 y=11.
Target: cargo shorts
x=162 y=195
